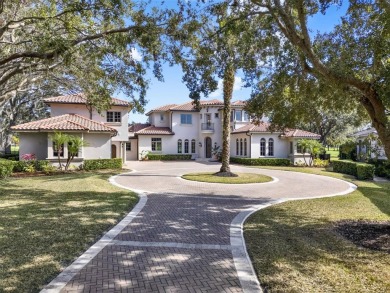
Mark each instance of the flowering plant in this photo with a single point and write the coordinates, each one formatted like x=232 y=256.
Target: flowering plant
x=28 y=157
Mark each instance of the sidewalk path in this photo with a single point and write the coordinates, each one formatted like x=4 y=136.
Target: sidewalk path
x=184 y=236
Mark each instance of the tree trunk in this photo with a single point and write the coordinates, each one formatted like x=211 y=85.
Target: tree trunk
x=228 y=83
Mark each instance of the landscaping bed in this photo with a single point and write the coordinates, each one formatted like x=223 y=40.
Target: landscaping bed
x=242 y=178
x=46 y=222
x=337 y=244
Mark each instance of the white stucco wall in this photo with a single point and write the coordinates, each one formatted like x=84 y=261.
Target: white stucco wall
x=33 y=143
x=132 y=154
x=99 y=146
x=121 y=127
x=168 y=143
x=155 y=119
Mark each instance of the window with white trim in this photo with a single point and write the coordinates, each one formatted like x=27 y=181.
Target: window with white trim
x=57 y=150
x=271 y=147
x=186 y=146
x=128 y=146
x=237 y=147
x=113 y=116
x=241 y=147
x=245 y=147
x=185 y=119
x=238 y=115
x=262 y=147
x=193 y=146
x=179 y=146
x=156 y=144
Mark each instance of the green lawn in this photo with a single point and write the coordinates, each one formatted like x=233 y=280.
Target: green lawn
x=294 y=247
x=242 y=178
x=47 y=222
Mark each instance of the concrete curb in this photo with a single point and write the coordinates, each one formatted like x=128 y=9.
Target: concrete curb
x=245 y=271
x=67 y=274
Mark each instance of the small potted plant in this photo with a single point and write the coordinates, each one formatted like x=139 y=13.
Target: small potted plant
x=144 y=155
x=216 y=152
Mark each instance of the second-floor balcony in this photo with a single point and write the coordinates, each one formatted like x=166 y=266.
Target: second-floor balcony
x=207 y=127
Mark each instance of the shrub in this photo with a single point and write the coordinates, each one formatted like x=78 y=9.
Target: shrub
x=102 y=164
x=157 y=157
x=6 y=167
x=20 y=166
x=29 y=169
x=40 y=165
x=48 y=169
x=320 y=163
x=365 y=171
x=360 y=170
x=382 y=167
x=261 y=161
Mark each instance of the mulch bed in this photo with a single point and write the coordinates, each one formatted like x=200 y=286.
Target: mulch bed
x=368 y=234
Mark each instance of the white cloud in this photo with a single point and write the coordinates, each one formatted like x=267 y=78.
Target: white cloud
x=135 y=54
x=219 y=92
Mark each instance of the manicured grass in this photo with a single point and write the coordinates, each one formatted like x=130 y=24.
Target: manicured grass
x=241 y=179
x=294 y=247
x=47 y=222
x=334 y=154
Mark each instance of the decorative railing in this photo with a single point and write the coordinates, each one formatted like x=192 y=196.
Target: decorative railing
x=208 y=126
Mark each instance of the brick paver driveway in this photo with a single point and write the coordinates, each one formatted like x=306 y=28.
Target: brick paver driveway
x=184 y=236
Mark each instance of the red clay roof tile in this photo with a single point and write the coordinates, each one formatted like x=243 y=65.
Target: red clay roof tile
x=80 y=99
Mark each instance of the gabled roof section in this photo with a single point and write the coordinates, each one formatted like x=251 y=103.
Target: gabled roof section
x=153 y=130
x=263 y=127
x=137 y=127
x=239 y=103
x=365 y=132
x=67 y=122
x=80 y=99
x=187 y=107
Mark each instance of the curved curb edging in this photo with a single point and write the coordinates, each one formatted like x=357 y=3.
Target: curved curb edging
x=274 y=180
x=68 y=273
x=245 y=270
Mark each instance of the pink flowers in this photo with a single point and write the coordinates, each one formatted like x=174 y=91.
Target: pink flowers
x=28 y=157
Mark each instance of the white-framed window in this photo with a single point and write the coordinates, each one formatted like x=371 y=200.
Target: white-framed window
x=246 y=116
x=57 y=150
x=161 y=117
x=186 y=146
x=271 y=147
x=113 y=116
x=179 y=146
x=128 y=146
x=156 y=144
x=193 y=146
x=241 y=147
x=201 y=116
x=69 y=146
x=262 y=147
x=216 y=115
x=237 y=147
x=291 y=147
x=185 y=118
x=238 y=115
x=245 y=147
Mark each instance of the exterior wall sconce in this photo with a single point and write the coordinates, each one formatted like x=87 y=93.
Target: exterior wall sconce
x=200 y=144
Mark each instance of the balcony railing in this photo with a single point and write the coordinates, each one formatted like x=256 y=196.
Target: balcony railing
x=208 y=126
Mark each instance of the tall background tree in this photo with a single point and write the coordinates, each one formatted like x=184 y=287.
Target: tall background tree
x=352 y=58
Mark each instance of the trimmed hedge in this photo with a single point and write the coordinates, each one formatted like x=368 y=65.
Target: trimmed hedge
x=156 y=157
x=39 y=165
x=360 y=170
x=6 y=167
x=261 y=161
x=382 y=167
x=102 y=164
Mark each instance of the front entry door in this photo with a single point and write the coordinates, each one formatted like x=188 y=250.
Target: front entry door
x=208 y=144
x=113 y=151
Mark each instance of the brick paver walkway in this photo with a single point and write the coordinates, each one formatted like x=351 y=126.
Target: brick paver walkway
x=182 y=239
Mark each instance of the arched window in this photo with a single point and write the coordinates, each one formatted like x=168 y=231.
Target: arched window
x=262 y=147
x=179 y=146
x=186 y=146
x=241 y=147
x=237 y=147
x=245 y=147
x=271 y=147
x=193 y=145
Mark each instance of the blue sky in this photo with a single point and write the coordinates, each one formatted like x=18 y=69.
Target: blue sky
x=173 y=91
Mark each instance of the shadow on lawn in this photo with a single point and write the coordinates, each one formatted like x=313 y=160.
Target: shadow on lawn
x=43 y=230
x=289 y=250
x=379 y=195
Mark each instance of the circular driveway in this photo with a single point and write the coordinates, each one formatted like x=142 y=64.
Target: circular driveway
x=164 y=177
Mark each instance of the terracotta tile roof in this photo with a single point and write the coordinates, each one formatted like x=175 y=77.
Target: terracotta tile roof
x=239 y=103
x=214 y=102
x=156 y=130
x=80 y=99
x=264 y=127
x=67 y=122
x=161 y=109
x=184 y=107
x=137 y=127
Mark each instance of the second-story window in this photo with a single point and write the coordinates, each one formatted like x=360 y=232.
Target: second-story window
x=185 y=118
x=216 y=115
x=113 y=116
x=161 y=117
x=238 y=115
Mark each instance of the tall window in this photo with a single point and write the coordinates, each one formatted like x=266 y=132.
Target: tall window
x=76 y=154
x=238 y=115
x=245 y=147
x=291 y=147
x=246 y=116
x=113 y=116
x=179 y=146
x=241 y=147
x=237 y=147
x=128 y=146
x=262 y=147
x=185 y=118
x=186 y=146
x=271 y=147
x=57 y=150
x=156 y=144
x=193 y=145
x=161 y=117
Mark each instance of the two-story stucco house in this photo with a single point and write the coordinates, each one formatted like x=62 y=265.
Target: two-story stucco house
x=184 y=129
x=105 y=133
